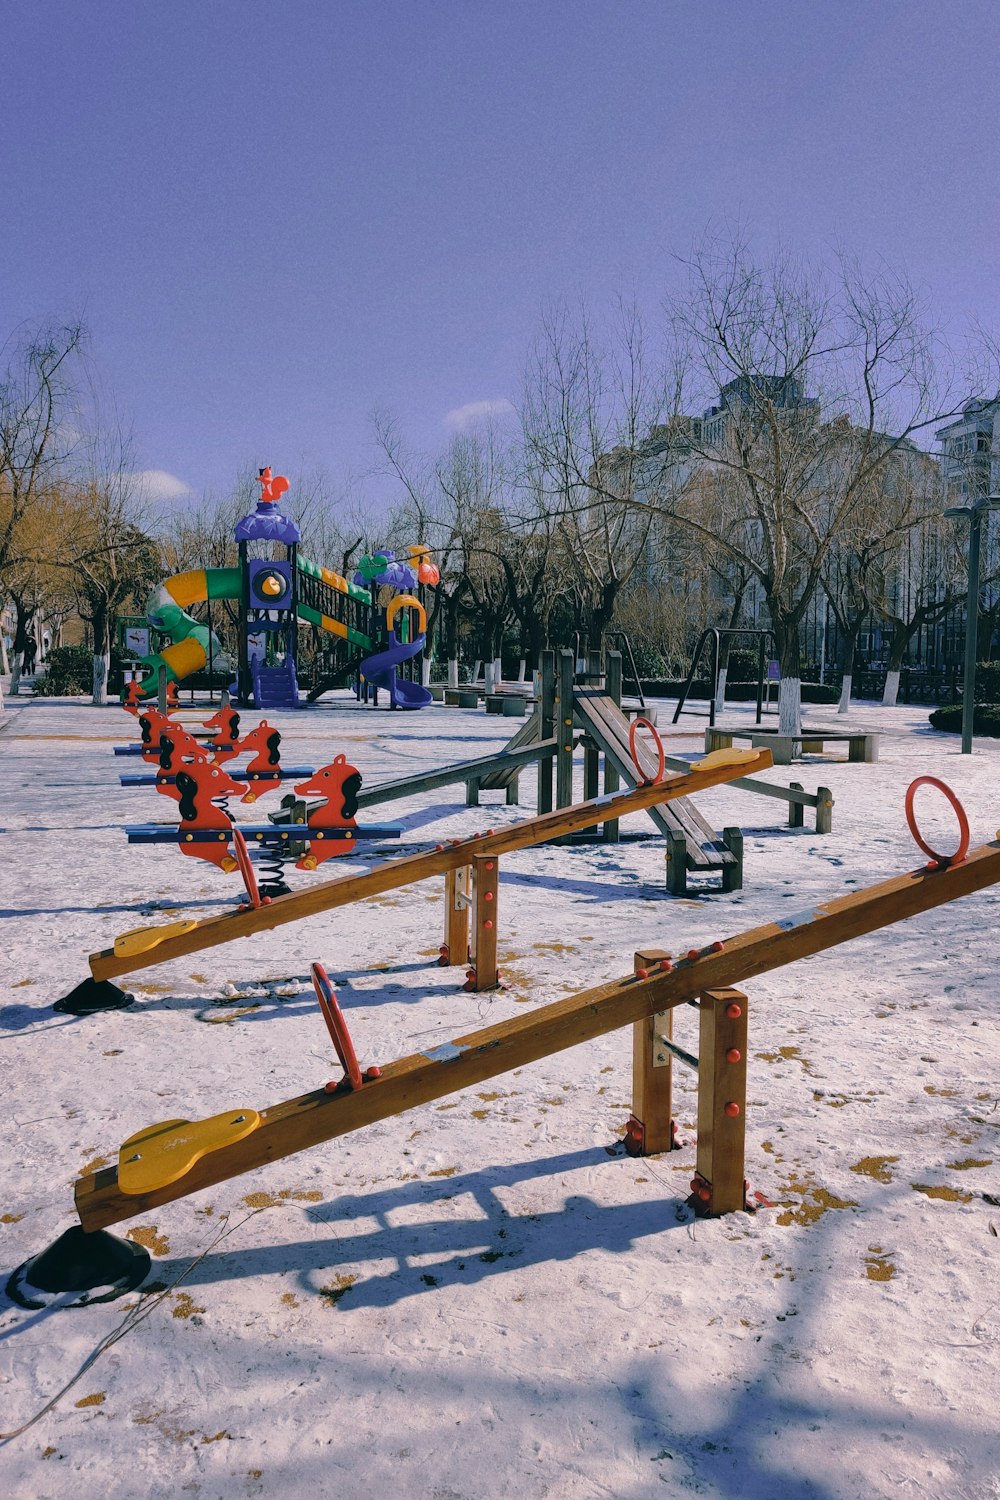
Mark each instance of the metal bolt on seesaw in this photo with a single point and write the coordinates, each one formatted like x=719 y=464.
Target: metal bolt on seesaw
x=171 y=1160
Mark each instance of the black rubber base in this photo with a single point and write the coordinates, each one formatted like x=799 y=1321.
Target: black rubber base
x=92 y=995
x=98 y=1265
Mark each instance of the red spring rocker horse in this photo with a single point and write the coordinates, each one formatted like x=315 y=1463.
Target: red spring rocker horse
x=198 y=783
x=264 y=770
x=340 y=783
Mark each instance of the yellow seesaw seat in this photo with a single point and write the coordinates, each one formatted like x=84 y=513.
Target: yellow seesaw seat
x=160 y=1154
x=141 y=939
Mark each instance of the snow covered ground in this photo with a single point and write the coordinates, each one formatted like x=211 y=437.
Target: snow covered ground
x=486 y=1296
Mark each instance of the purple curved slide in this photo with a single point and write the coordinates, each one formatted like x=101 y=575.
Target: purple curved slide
x=380 y=671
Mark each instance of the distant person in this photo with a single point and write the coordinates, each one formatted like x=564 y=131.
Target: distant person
x=29 y=659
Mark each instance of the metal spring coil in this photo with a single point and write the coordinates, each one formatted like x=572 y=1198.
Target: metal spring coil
x=272 y=861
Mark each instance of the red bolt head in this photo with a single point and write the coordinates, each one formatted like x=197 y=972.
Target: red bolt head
x=488 y=925
x=438 y=848
x=487 y=895
x=694 y=953
x=734 y=1011
x=733 y=1055
x=732 y=1109
x=695 y=1184
x=704 y=1194
x=718 y=946
x=443 y=948
x=456 y=841
x=666 y=965
x=477 y=835
x=489 y=864
x=373 y=1072
x=489 y=831
x=642 y=973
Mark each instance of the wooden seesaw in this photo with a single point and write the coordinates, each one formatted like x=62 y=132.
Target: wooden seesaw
x=175 y=1158
x=471 y=868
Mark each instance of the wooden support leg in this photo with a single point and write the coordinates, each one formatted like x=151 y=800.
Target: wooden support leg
x=612 y=780
x=513 y=786
x=824 y=810
x=455 y=948
x=546 y=727
x=732 y=875
x=722 y=1098
x=795 y=809
x=591 y=770
x=676 y=863
x=472 y=792
x=650 y=1128
x=563 y=730
x=485 y=886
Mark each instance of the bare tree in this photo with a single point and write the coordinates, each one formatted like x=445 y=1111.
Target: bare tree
x=36 y=391
x=809 y=384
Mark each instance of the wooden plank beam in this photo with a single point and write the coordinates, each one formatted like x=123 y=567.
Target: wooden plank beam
x=481 y=766
x=413 y=867
x=315 y=1117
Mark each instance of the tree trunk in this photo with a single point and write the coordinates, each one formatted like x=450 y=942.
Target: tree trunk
x=850 y=649
x=790 y=666
x=102 y=657
x=901 y=633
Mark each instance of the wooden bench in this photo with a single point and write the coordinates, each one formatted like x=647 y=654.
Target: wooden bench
x=862 y=745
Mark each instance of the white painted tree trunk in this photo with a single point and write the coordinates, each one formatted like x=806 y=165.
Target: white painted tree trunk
x=101 y=667
x=425 y=671
x=453 y=672
x=15 y=673
x=490 y=678
x=720 y=695
x=475 y=673
x=844 y=706
x=498 y=672
x=521 y=669
x=790 y=705
x=891 y=690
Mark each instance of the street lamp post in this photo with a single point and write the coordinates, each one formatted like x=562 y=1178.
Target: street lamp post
x=975 y=514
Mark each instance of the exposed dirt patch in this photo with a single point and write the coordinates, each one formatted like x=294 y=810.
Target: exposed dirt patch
x=875 y=1167
x=185 y=1306
x=338 y=1287
x=287 y=1195
x=878 y=1266
x=149 y=1238
x=947 y=1194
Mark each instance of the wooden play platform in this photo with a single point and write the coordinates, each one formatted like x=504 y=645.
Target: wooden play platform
x=862 y=744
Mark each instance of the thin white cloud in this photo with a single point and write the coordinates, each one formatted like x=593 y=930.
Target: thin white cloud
x=159 y=485
x=464 y=417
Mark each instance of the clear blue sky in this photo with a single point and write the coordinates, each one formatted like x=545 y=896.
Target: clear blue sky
x=275 y=215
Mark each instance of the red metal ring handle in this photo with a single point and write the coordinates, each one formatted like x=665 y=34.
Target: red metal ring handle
x=659 y=748
x=941 y=860
x=246 y=868
x=336 y=1025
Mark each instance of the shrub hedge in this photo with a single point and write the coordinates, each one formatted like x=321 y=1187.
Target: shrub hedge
x=69 y=672
x=985 y=719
